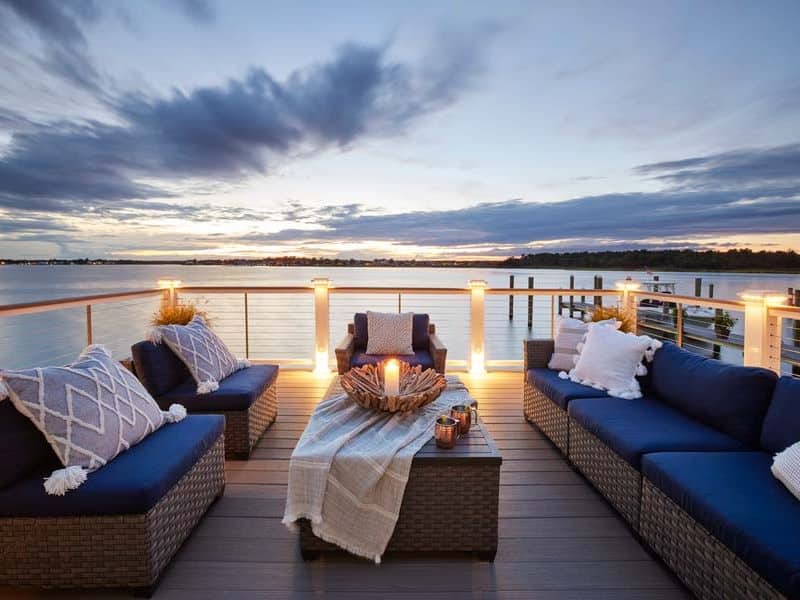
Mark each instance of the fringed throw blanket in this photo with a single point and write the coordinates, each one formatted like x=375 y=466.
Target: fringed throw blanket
x=349 y=470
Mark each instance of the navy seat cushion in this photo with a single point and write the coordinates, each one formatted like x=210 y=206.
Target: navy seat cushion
x=157 y=367
x=421 y=357
x=561 y=391
x=635 y=427
x=736 y=498
x=730 y=398
x=420 y=338
x=22 y=446
x=132 y=483
x=782 y=423
x=237 y=391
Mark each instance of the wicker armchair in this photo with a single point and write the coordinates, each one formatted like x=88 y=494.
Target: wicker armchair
x=429 y=351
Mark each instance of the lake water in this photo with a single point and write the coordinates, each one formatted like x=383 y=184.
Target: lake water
x=282 y=326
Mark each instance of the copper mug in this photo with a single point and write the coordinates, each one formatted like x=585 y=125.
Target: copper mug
x=446 y=432
x=463 y=413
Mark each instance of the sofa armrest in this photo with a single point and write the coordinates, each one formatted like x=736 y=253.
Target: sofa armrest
x=536 y=354
x=344 y=353
x=438 y=353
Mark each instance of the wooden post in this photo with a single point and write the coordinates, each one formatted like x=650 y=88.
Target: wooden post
x=89 y=335
x=530 y=304
x=477 y=312
x=511 y=298
x=246 y=328
x=698 y=286
x=762 y=332
x=399 y=302
x=710 y=290
x=679 y=325
x=716 y=349
x=598 y=285
x=321 y=325
x=571 y=298
x=794 y=296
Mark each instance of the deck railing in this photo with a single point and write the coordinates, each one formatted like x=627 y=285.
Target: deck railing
x=298 y=326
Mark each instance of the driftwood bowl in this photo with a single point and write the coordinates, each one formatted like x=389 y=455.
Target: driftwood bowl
x=417 y=387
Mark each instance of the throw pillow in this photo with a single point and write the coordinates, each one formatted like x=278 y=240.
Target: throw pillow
x=390 y=333
x=569 y=333
x=610 y=360
x=786 y=468
x=204 y=353
x=89 y=412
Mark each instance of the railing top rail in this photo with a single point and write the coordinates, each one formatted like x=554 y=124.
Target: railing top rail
x=241 y=289
x=552 y=292
x=9 y=310
x=785 y=312
x=691 y=300
x=399 y=290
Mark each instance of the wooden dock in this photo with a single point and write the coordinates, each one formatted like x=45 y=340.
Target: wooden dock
x=558 y=538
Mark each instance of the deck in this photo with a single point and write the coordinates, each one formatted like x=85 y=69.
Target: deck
x=558 y=538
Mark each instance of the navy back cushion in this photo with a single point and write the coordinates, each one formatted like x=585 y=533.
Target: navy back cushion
x=782 y=423
x=730 y=398
x=22 y=446
x=158 y=368
x=420 y=338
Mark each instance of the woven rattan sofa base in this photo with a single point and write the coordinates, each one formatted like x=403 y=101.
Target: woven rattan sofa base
x=434 y=495
x=126 y=551
x=707 y=567
x=243 y=428
x=548 y=416
x=619 y=482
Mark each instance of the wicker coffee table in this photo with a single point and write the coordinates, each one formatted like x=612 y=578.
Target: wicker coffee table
x=450 y=503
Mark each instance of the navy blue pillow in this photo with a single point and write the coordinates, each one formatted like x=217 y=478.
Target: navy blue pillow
x=22 y=446
x=782 y=423
x=158 y=368
x=727 y=397
x=420 y=339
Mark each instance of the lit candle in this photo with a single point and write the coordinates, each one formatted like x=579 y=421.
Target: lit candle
x=391 y=378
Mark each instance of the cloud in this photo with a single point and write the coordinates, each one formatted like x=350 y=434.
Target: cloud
x=227 y=132
x=199 y=11
x=59 y=26
x=778 y=165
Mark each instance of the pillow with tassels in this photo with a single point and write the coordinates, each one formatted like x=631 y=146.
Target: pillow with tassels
x=89 y=411
x=202 y=351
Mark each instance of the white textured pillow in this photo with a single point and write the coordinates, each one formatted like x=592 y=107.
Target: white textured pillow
x=202 y=351
x=569 y=333
x=786 y=468
x=390 y=333
x=89 y=412
x=610 y=360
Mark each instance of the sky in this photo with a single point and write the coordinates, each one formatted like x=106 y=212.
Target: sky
x=237 y=128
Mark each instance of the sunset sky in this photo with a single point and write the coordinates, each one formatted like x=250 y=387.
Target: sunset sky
x=183 y=128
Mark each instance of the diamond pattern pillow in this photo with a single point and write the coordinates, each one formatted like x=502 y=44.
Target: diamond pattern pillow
x=89 y=411
x=390 y=333
x=204 y=353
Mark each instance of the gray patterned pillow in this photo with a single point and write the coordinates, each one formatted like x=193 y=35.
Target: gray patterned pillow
x=390 y=333
x=89 y=411
x=204 y=353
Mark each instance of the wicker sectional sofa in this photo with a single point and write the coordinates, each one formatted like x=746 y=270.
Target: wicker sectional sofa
x=688 y=465
x=122 y=527
x=248 y=399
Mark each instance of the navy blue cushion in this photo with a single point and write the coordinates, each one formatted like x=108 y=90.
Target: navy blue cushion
x=132 y=483
x=730 y=398
x=782 y=423
x=736 y=498
x=157 y=367
x=237 y=391
x=420 y=357
x=561 y=391
x=635 y=427
x=22 y=446
x=420 y=338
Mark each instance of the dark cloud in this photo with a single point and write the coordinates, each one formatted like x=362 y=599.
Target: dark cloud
x=59 y=25
x=730 y=170
x=199 y=11
x=226 y=132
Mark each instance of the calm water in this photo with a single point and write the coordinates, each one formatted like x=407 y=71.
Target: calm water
x=281 y=326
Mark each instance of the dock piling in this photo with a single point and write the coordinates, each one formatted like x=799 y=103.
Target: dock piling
x=530 y=304
x=511 y=298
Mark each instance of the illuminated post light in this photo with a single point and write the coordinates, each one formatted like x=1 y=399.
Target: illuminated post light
x=761 y=331
x=628 y=302
x=321 y=287
x=477 y=363
x=170 y=287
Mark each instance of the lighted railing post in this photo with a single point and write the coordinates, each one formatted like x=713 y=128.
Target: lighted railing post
x=762 y=339
x=628 y=288
x=170 y=287
x=321 y=325
x=477 y=312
